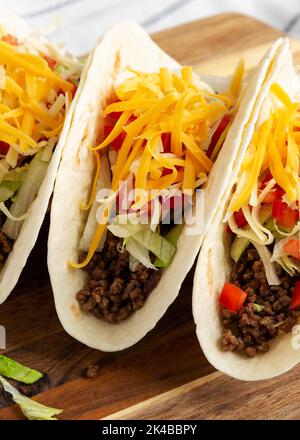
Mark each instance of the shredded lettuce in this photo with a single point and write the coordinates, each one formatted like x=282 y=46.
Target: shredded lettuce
x=139 y=252
x=265 y=214
x=133 y=263
x=60 y=68
x=268 y=188
x=9 y=215
x=258 y=307
x=12 y=182
x=156 y=244
x=263 y=235
x=5 y=194
x=289 y=264
x=30 y=408
x=270 y=269
x=256 y=232
x=16 y=371
x=156 y=215
x=26 y=194
x=270 y=224
x=285 y=232
x=238 y=247
x=172 y=237
x=127 y=230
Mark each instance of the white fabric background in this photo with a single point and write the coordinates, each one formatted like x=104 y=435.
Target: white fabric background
x=82 y=21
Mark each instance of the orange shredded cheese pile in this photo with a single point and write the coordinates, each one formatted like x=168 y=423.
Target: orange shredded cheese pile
x=274 y=146
x=163 y=103
x=151 y=105
x=26 y=81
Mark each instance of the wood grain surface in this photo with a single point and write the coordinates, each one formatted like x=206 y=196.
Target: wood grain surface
x=165 y=375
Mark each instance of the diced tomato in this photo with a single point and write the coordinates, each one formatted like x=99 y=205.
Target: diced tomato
x=266 y=179
x=166 y=141
x=284 y=215
x=166 y=171
x=279 y=191
x=292 y=248
x=240 y=219
x=217 y=134
x=115 y=115
x=277 y=208
x=107 y=130
x=51 y=62
x=271 y=197
x=132 y=118
x=10 y=39
x=116 y=143
x=232 y=297
x=275 y=194
x=112 y=118
x=296 y=296
x=4 y=147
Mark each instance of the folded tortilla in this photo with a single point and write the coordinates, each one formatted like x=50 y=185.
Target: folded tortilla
x=124 y=46
x=23 y=245
x=214 y=262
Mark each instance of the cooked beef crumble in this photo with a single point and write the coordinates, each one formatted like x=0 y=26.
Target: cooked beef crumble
x=92 y=370
x=114 y=291
x=5 y=248
x=249 y=331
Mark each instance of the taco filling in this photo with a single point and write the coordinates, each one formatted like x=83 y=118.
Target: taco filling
x=161 y=134
x=37 y=84
x=261 y=300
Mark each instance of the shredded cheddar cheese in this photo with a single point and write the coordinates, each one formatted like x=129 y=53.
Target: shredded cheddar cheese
x=25 y=116
x=274 y=146
x=153 y=107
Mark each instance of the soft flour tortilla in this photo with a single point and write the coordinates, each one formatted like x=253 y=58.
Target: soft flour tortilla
x=125 y=45
x=16 y=260
x=213 y=266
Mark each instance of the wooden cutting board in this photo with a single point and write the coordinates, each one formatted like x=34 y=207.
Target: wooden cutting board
x=165 y=375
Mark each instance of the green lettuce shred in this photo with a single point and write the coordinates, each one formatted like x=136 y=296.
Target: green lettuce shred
x=156 y=244
x=172 y=237
x=238 y=247
x=14 y=370
x=30 y=408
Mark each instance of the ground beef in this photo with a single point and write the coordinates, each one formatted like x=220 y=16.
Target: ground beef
x=5 y=248
x=249 y=331
x=114 y=291
x=92 y=371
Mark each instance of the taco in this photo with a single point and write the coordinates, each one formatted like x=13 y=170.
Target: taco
x=37 y=85
x=246 y=311
x=144 y=121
